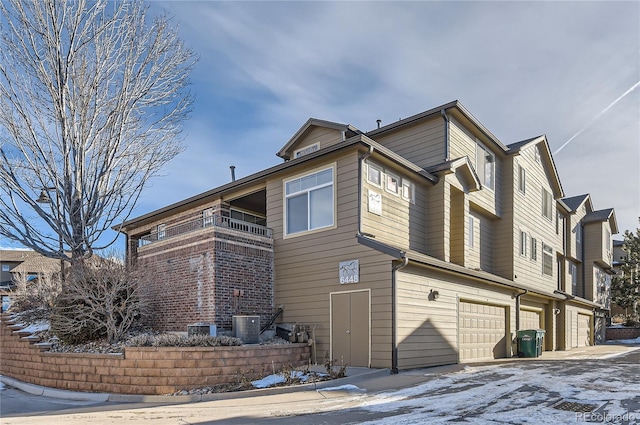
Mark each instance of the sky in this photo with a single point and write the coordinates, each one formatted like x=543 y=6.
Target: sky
x=569 y=70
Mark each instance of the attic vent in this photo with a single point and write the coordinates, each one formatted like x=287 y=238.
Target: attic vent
x=306 y=150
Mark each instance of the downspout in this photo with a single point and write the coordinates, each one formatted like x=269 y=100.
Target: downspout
x=446 y=134
x=394 y=319
x=361 y=160
x=526 y=291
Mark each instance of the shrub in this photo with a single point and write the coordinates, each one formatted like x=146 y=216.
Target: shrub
x=100 y=298
x=175 y=340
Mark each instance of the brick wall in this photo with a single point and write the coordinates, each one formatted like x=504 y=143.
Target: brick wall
x=141 y=370
x=206 y=277
x=622 y=333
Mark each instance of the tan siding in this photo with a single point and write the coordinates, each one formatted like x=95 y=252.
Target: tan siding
x=423 y=143
x=402 y=223
x=427 y=330
x=323 y=136
x=528 y=217
x=307 y=266
x=463 y=143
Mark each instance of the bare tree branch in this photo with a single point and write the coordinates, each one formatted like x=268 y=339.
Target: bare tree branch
x=92 y=100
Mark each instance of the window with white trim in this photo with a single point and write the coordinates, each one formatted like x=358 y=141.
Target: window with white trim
x=374 y=175
x=6 y=267
x=523 y=243
x=392 y=183
x=534 y=249
x=471 y=232
x=522 y=179
x=306 y=150
x=547 y=204
x=408 y=191
x=309 y=202
x=547 y=260
x=485 y=166
x=573 y=272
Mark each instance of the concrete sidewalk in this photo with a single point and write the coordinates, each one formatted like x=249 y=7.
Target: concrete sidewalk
x=365 y=379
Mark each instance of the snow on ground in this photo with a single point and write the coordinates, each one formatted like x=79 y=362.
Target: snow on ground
x=271 y=380
x=38 y=326
x=625 y=341
x=522 y=394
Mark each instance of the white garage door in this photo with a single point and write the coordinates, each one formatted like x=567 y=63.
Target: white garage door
x=530 y=319
x=482 y=329
x=584 y=330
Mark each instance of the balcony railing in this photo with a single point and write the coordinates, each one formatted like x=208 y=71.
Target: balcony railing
x=215 y=220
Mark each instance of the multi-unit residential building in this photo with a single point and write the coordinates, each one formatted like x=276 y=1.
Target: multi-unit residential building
x=423 y=242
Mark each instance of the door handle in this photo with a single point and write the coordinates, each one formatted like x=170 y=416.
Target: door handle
x=348 y=332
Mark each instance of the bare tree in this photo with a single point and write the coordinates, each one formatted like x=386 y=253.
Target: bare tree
x=99 y=298
x=92 y=98
x=36 y=297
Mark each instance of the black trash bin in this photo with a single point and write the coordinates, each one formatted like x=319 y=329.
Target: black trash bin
x=530 y=342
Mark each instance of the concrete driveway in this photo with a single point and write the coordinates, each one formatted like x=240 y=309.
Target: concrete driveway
x=595 y=384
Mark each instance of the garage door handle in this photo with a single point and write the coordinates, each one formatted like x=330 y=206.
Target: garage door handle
x=348 y=332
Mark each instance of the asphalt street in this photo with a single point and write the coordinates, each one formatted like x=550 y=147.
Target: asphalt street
x=588 y=386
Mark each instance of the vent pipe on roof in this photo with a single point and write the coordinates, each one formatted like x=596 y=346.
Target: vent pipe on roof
x=233 y=173
x=379 y=122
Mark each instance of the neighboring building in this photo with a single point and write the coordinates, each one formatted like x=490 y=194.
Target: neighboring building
x=420 y=243
x=21 y=262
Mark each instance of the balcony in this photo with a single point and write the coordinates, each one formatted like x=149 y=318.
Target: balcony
x=212 y=221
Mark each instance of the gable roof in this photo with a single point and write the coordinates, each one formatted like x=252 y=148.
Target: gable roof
x=456 y=109
x=235 y=185
x=545 y=154
x=464 y=165
x=314 y=122
x=16 y=255
x=603 y=215
x=576 y=202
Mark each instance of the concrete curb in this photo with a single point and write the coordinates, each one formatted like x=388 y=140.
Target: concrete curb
x=140 y=398
x=53 y=392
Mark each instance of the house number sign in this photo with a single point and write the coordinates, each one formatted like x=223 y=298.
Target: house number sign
x=349 y=271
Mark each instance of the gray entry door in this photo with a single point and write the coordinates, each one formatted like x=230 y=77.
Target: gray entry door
x=350 y=328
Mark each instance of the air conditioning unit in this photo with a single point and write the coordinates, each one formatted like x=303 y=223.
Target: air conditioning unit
x=247 y=328
x=202 y=329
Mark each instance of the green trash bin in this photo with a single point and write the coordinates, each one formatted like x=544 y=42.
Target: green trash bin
x=530 y=342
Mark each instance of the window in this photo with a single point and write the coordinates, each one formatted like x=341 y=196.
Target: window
x=523 y=243
x=559 y=221
x=306 y=150
x=536 y=153
x=578 y=233
x=485 y=166
x=522 y=182
x=309 y=202
x=534 y=249
x=6 y=267
x=471 y=231
x=408 y=191
x=547 y=260
x=162 y=228
x=374 y=175
x=547 y=204
x=573 y=271
x=207 y=217
x=393 y=184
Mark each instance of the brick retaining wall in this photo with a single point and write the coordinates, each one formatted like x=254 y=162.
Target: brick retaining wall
x=141 y=370
x=622 y=333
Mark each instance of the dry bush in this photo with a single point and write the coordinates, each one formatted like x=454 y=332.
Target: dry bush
x=36 y=297
x=98 y=299
x=175 y=340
